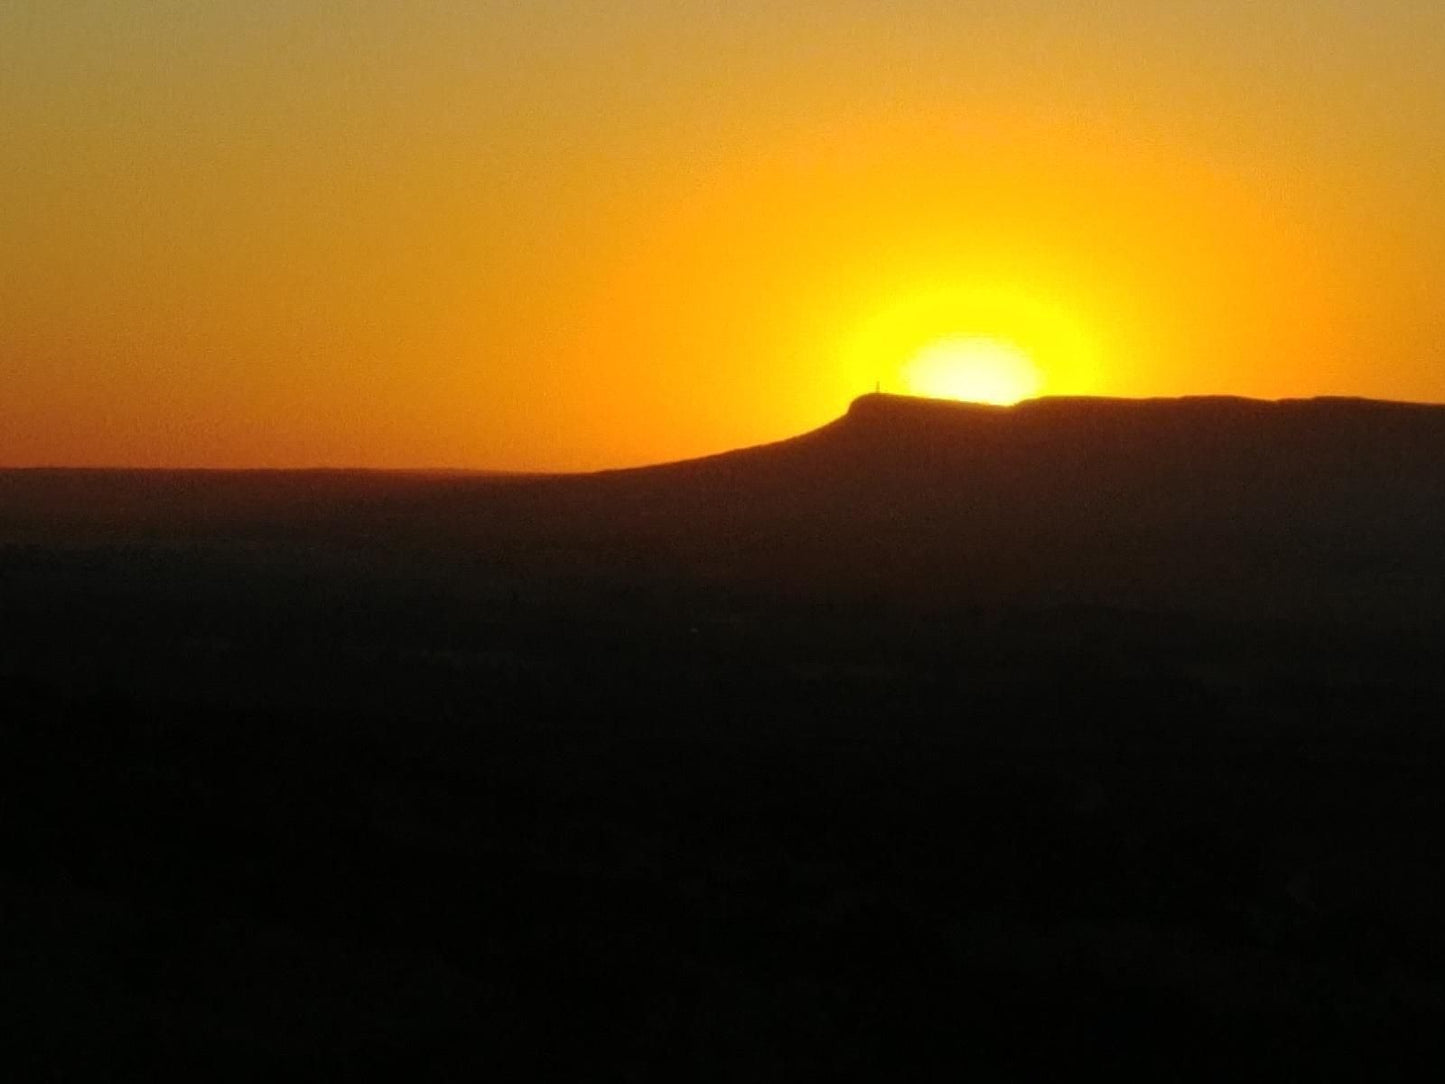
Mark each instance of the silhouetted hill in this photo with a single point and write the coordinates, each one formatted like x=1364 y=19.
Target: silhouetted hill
x=1327 y=509
x=1322 y=508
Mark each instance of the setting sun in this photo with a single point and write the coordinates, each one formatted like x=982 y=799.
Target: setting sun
x=974 y=368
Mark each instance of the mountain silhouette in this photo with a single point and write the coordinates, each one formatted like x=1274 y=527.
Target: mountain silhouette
x=1324 y=508
x=1319 y=509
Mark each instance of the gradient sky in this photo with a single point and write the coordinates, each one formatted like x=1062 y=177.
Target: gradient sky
x=556 y=235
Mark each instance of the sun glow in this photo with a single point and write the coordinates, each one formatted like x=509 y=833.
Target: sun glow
x=974 y=368
x=986 y=342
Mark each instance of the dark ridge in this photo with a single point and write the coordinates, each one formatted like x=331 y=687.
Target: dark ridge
x=877 y=426
x=1313 y=421
x=1319 y=509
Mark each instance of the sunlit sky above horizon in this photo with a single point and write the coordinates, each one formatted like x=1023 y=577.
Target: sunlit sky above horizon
x=558 y=235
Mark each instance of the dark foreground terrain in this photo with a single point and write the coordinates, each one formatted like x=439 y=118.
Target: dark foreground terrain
x=1086 y=734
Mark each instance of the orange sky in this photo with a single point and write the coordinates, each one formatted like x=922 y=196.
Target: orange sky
x=561 y=235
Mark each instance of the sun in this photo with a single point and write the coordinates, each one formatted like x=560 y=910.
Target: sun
x=970 y=338
x=975 y=368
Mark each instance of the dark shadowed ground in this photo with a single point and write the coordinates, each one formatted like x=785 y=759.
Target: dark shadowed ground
x=1082 y=734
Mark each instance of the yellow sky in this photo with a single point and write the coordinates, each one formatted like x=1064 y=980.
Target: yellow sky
x=555 y=235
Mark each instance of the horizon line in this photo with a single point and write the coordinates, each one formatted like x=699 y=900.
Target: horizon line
x=898 y=397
